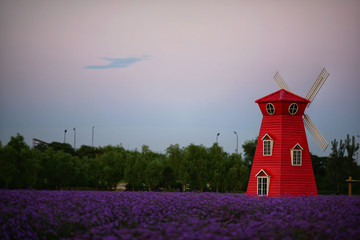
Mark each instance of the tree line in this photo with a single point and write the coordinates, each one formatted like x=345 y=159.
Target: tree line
x=192 y=168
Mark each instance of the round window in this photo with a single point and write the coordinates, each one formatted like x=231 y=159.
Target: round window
x=270 y=108
x=293 y=108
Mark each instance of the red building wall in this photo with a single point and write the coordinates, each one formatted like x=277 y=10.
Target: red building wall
x=286 y=131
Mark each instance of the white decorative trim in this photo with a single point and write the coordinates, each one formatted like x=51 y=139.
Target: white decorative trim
x=262 y=170
x=266 y=135
x=297 y=146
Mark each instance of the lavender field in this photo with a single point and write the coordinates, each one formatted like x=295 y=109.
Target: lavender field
x=30 y=214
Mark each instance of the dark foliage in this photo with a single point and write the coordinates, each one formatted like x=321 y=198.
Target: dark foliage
x=191 y=168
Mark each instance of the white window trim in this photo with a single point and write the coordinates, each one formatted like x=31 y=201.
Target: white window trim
x=267 y=138
x=261 y=190
x=257 y=182
x=272 y=107
x=297 y=109
x=262 y=171
x=296 y=148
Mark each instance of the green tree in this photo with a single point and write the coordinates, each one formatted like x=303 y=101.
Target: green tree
x=351 y=147
x=237 y=174
x=154 y=173
x=169 y=180
x=19 y=168
x=336 y=172
x=134 y=170
x=217 y=167
x=340 y=167
x=249 y=148
x=81 y=172
x=196 y=156
x=65 y=147
x=150 y=155
x=96 y=173
x=17 y=143
x=8 y=169
x=87 y=151
x=178 y=164
x=319 y=166
x=113 y=164
x=58 y=169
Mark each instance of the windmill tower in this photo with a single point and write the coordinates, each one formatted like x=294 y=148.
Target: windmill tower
x=282 y=163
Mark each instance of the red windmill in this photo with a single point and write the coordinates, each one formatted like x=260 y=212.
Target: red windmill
x=282 y=163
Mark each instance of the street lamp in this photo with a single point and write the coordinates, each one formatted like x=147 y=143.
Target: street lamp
x=65 y=135
x=74 y=138
x=237 y=143
x=92 y=138
x=217 y=135
x=357 y=154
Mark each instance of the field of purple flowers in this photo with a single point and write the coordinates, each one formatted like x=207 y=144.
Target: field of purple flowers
x=30 y=214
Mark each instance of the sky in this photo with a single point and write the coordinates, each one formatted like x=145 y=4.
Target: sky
x=173 y=72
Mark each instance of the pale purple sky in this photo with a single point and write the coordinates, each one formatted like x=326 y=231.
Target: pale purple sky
x=167 y=72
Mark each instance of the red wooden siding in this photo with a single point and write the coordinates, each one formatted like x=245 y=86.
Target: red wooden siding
x=286 y=131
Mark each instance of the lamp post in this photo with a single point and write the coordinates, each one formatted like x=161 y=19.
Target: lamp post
x=357 y=154
x=92 y=138
x=74 y=138
x=65 y=135
x=237 y=143
x=217 y=135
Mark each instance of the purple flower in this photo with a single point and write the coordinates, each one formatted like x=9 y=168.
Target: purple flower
x=137 y=215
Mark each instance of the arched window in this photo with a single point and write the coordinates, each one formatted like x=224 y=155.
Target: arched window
x=263 y=183
x=267 y=145
x=296 y=155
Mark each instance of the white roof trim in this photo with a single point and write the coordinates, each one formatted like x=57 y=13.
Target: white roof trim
x=266 y=135
x=262 y=170
x=297 y=145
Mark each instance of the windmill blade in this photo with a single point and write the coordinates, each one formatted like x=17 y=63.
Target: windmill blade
x=317 y=85
x=320 y=140
x=280 y=81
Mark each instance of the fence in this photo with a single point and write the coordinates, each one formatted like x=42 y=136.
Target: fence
x=350 y=180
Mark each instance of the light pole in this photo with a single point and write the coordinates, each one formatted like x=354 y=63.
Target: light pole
x=357 y=154
x=92 y=138
x=217 y=135
x=74 y=138
x=65 y=135
x=237 y=143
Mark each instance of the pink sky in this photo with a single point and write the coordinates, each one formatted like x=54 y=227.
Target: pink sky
x=204 y=64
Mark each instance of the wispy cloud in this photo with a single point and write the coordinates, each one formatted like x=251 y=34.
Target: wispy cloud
x=118 y=62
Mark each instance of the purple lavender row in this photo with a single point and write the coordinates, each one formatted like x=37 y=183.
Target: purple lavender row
x=33 y=214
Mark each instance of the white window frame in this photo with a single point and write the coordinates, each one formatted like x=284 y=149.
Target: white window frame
x=296 y=149
x=266 y=139
x=297 y=108
x=262 y=191
x=270 y=106
x=261 y=179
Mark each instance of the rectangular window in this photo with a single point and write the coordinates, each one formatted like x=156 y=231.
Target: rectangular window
x=296 y=157
x=262 y=186
x=259 y=187
x=267 y=148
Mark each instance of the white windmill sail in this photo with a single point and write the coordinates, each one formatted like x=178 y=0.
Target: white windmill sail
x=320 y=140
x=280 y=81
x=317 y=85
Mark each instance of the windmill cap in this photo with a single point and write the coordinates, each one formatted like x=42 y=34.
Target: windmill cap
x=282 y=95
